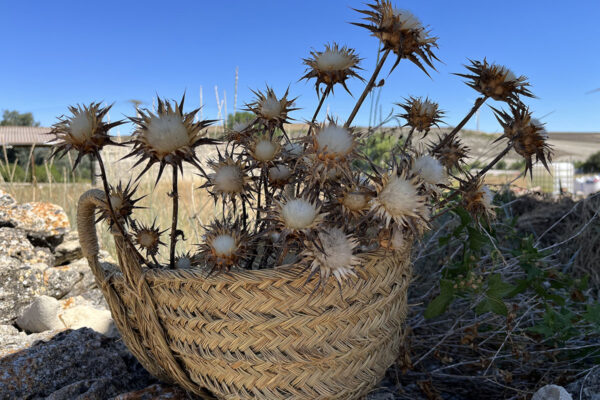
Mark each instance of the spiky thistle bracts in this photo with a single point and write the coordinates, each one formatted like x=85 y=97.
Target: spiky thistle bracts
x=420 y=114
x=168 y=137
x=225 y=246
x=271 y=111
x=401 y=32
x=85 y=131
x=496 y=81
x=527 y=134
x=332 y=66
x=123 y=203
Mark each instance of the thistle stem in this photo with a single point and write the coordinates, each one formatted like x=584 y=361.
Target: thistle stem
x=408 y=139
x=367 y=89
x=175 y=196
x=321 y=101
x=478 y=103
x=113 y=215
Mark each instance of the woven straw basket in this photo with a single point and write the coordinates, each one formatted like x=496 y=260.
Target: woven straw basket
x=254 y=334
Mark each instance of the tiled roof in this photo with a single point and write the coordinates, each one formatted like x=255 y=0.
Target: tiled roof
x=24 y=136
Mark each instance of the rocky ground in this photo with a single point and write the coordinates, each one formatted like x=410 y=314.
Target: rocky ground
x=57 y=338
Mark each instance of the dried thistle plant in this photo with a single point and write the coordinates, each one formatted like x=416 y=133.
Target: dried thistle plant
x=316 y=199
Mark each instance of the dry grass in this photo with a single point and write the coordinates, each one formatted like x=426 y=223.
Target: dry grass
x=195 y=206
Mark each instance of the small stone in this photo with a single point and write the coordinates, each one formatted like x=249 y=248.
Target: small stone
x=551 y=392
x=85 y=316
x=41 y=315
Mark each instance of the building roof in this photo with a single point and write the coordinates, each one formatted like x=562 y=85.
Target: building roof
x=25 y=136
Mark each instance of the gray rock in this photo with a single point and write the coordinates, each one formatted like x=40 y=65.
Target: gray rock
x=13 y=340
x=44 y=223
x=80 y=364
x=41 y=315
x=6 y=199
x=69 y=250
x=551 y=392
x=14 y=243
x=21 y=283
x=60 y=281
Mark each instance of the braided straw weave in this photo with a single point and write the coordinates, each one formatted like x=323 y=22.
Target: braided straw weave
x=254 y=334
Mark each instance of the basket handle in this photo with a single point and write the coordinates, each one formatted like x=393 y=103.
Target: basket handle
x=86 y=227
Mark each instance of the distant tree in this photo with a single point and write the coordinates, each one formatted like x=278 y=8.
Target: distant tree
x=592 y=164
x=501 y=164
x=15 y=118
x=239 y=116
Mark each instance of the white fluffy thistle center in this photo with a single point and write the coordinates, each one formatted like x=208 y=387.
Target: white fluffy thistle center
x=428 y=108
x=407 y=19
x=270 y=107
x=338 y=250
x=166 y=134
x=265 y=150
x=335 y=139
x=229 y=179
x=399 y=197
x=298 y=213
x=146 y=239
x=430 y=169
x=115 y=201
x=488 y=196
x=81 y=126
x=224 y=245
x=331 y=60
x=240 y=126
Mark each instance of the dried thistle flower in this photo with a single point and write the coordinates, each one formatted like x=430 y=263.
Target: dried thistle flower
x=225 y=245
x=279 y=175
x=478 y=199
x=398 y=200
x=421 y=114
x=528 y=135
x=330 y=148
x=239 y=133
x=297 y=215
x=496 y=81
x=148 y=237
x=333 y=256
x=186 y=261
x=431 y=171
x=168 y=137
x=229 y=179
x=263 y=150
x=451 y=154
x=401 y=32
x=331 y=66
x=122 y=202
x=84 y=131
x=392 y=239
x=270 y=111
x=355 y=197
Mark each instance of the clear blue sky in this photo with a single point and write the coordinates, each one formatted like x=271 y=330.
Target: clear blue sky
x=56 y=53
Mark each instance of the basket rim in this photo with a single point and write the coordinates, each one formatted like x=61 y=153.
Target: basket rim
x=286 y=272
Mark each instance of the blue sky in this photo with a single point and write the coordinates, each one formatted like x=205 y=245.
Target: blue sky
x=56 y=53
